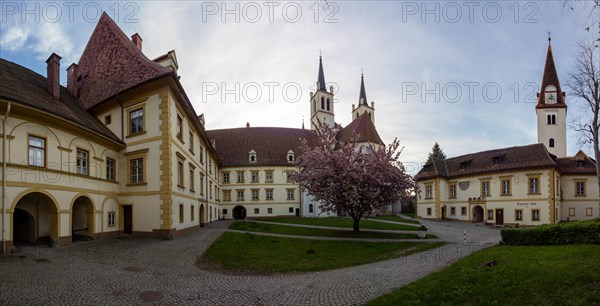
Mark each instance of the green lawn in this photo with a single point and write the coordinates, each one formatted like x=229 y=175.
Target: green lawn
x=410 y=214
x=340 y=222
x=394 y=218
x=306 y=231
x=523 y=275
x=252 y=253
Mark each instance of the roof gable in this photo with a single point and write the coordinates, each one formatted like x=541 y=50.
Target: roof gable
x=112 y=63
x=363 y=127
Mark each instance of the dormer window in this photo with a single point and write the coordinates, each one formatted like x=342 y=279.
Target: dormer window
x=498 y=159
x=290 y=156
x=580 y=163
x=252 y=156
x=465 y=164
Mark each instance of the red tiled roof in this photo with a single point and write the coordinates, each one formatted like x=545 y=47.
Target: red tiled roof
x=363 y=127
x=111 y=63
x=578 y=164
x=23 y=86
x=550 y=77
x=530 y=156
x=270 y=144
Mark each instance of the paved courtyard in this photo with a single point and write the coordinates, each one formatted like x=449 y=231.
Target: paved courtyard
x=124 y=271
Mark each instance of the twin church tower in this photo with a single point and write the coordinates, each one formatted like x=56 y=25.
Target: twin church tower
x=322 y=102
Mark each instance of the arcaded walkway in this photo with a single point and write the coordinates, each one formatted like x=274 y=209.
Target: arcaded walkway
x=134 y=271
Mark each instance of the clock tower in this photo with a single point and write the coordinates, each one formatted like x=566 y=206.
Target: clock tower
x=551 y=110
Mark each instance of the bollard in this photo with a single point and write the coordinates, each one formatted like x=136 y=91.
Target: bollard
x=465 y=237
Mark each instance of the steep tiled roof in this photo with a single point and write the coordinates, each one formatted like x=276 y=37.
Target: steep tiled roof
x=270 y=144
x=23 y=86
x=364 y=127
x=550 y=77
x=112 y=63
x=321 y=78
x=530 y=156
x=578 y=164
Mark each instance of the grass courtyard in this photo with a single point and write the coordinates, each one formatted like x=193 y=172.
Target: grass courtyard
x=521 y=275
x=251 y=253
x=340 y=222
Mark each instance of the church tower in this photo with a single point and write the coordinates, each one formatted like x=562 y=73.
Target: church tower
x=551 y=110
x=363 y=106
x=321 y=102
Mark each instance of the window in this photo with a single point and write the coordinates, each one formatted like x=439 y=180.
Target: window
x=201 y=154
x=322 y=103
x=485 y=188
x=254 y=176
x=201 y=183
x=225 y=177
x=311 y=208
x=224 y=211
x=252 y=156
x=268 y=176
x=255 y=196
x=328 y=103
x=551 y=143
x=240 y=176
x=136 y=121
x=588 y=211
x=535 y=215
x=291 y=210
x=227 y=195
x=429 y=192
x=463 y=211
x=191 y=142
x=82 y=162
x=180 y=174
x=107 y=120
x=192 y=214
x=269 y=210
x=287 y=176
x=452 y=191
x=580 y=188
x=453 y=211
x=240 y=195
x=110 y=169
x=269 y=194
x=210 y=190
x=111 y=219
x=256 y=211
x=505 y=187
x=534 y=185
x=571 y=212
x=179 y=127
x=290 y=194
x=519 y=215
x=551 y=119
x=136 y=170
x=210 y=166
x=181 y=213
x=37 y=151
x=290 y=156
x=490 y=214
x=192 y=183
x=429 y=211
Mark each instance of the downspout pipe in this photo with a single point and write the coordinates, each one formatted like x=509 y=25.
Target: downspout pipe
x=4 y=174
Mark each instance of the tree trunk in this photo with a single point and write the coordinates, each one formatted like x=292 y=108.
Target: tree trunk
x=356 y=225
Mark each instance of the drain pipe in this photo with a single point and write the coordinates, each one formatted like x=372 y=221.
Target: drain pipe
x=4 y=174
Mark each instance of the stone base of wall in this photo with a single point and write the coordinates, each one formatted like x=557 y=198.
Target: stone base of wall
x=6 y=247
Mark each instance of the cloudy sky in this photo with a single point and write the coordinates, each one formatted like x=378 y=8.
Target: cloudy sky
x=464 y=74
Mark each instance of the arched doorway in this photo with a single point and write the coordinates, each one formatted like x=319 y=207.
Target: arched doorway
x=23 y=227
x=202 y=215
x=35 y=219
x=82 y=219
x=477 y=214
x=239 y=213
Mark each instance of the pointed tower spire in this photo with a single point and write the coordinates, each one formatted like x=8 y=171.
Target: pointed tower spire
x=321 y=80
x=362 y=99
x=550 y=92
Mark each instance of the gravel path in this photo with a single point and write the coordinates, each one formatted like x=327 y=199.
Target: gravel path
x=126 y=271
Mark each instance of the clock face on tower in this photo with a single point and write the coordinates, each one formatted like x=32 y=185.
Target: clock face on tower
x=551 y=98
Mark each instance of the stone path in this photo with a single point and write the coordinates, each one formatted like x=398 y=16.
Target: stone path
x=338 y=238
x=153 y=272
x=394 y=222
x=415 y=231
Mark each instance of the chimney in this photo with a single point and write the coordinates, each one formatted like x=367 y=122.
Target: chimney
x=53 y=77
x=72 y=75
x=137 y=40
x=247 y=124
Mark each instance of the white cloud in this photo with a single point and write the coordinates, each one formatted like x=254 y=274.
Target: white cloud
x=13 y=38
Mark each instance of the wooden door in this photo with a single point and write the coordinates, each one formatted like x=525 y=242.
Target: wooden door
x=127 y=219
x=499 y=216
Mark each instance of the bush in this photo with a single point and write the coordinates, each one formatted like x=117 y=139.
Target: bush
x=578 y=232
